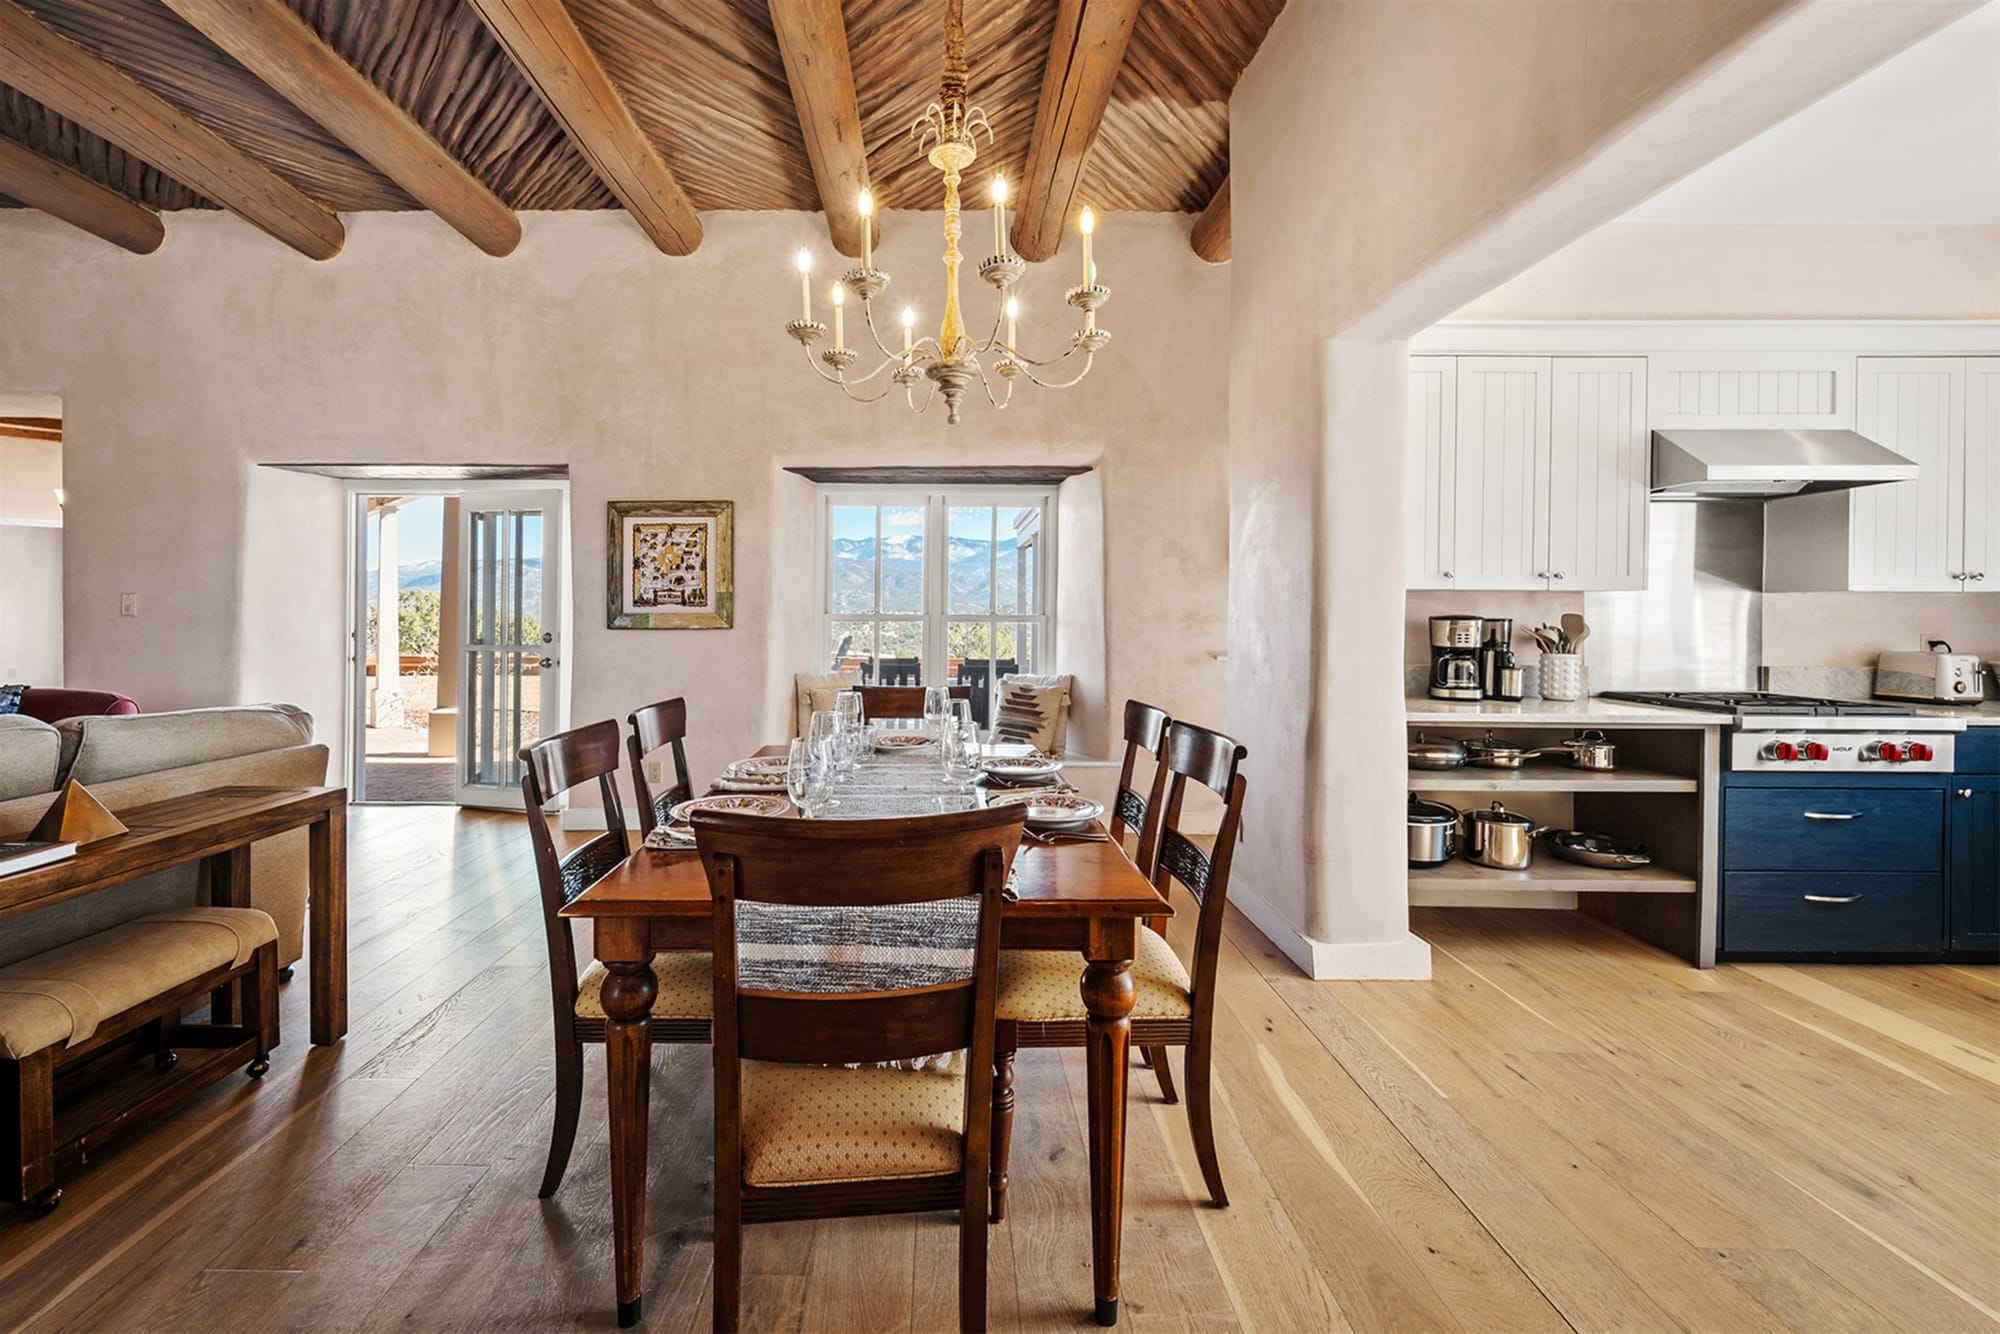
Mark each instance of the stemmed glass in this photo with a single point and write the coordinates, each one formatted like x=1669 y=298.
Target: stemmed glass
x=847 y=711
x=799 y=775
x=823 y=737
x=937 y=703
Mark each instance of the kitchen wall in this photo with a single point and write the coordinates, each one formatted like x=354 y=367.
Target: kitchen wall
x=650 y=377
x=1706 y=271
x=31 y=562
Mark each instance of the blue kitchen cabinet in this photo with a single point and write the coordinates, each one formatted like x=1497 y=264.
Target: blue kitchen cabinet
x=1972 y=813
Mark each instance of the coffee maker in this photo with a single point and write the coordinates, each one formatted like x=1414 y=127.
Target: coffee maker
x=1499 y=676
x=1455 y=657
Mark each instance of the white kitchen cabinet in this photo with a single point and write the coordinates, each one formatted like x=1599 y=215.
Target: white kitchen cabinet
x=1527 y=473
x=1934 y=534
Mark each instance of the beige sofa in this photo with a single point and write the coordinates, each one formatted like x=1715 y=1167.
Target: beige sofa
x=131 y=760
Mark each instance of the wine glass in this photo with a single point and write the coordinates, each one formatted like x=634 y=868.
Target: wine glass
x=847 y=708
x=824 y=734
x=937 y=703
x=799 y=774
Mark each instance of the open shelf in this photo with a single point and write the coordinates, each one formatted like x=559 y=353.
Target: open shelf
x=1549 y=873
x=1547 y=779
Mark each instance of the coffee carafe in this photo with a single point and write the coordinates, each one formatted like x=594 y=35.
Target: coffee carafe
x=1455 y=657
x=1499 y=676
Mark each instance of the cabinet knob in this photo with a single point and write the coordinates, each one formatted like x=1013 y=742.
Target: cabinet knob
x=1965 y=792
x=1977 y=577
x=1447 y=574
x=1557 y=575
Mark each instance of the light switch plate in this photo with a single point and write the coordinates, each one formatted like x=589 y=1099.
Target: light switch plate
x=654 y=774
x=128 y=604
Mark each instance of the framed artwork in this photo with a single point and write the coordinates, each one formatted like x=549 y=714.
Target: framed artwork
x=672 y=564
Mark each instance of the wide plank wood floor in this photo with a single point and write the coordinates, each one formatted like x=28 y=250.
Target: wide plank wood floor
x=1564 y=1128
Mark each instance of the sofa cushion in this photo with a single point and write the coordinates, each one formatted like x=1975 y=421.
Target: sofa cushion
x=29 y=751
x=803 y=688
x=52 y=704
x=96 y=750
x=62 y=995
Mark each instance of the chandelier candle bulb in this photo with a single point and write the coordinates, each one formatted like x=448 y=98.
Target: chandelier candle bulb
x=839 y=308
x=909 y=322
x=1000 y=216
x=1086 y=223
x=804 y=260
x=1013 y=314
x=867 y=211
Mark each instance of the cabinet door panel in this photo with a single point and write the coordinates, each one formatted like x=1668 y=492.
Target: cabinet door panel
x=1909 y=537
x=1982 y=474
x=1599 y=466
x=1430 y=492
x=1974 y=906
x=1500 y=461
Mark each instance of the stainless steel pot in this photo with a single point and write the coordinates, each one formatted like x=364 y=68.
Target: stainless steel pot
x=1428 y=754
x=1433 y=832
x=1589 y=750
x=1490 y=752
x=1497 y=838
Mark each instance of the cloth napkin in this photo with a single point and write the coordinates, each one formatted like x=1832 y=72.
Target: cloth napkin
x=670 y=838
x=776 y=784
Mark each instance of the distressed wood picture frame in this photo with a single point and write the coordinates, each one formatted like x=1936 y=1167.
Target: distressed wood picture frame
x=672 y=564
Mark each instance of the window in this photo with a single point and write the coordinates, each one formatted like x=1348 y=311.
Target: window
x=914 y=578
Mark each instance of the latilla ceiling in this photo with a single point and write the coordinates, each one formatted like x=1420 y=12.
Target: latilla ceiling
x=704 y=81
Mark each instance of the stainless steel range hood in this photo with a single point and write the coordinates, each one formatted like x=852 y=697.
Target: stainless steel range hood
x=1752 y=465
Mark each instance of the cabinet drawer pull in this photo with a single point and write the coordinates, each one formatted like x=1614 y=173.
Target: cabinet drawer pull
x=1832 y=898
x=1834 y=815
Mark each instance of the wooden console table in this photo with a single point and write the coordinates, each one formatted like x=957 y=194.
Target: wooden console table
x=218 y=827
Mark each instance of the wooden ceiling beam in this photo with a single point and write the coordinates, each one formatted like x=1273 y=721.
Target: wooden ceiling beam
x=270 y=40
x=812 y=39
x=45 y=184
x=70 y=81
x=48 y=429
x=547 y=47
x=1210 y=237
x=1084 y=56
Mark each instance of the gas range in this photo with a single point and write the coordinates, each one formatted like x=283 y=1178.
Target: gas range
x=1801 y=734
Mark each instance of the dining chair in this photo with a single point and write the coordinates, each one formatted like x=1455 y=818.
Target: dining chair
x=1039 y=1003
x=654 y=727
x=841 y=945
x=680 y=1010
x=1145 y=729
x=900 y=701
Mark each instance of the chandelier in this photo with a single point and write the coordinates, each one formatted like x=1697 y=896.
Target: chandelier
x=951 y=361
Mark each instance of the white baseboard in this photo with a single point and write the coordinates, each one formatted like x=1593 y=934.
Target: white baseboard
x=1405 y=960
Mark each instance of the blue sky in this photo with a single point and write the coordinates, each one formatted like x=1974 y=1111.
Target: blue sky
x=419 y=536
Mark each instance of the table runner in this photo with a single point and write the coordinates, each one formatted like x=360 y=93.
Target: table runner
x=889 y=784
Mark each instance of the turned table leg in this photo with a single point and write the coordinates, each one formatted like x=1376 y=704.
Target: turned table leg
x=1108 y=993
x=628 y=1033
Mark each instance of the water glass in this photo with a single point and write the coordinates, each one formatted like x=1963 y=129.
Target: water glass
x=853 y=732
x=799 y=774
x=937 y=703
x=823 y=736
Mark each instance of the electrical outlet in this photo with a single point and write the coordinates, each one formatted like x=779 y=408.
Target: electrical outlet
x=654 y=773
x=1929 y=637
x=128 y=604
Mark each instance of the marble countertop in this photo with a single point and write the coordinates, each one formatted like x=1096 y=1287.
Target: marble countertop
x=1589 y=712
x=1972 y=715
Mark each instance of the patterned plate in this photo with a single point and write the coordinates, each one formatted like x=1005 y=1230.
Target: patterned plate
x=746 y=803
x=1017 y=768
x=1053 y=809
x=901 y=741
x=759 y=766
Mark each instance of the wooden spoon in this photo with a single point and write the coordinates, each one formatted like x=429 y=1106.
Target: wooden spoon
x=1575 y=631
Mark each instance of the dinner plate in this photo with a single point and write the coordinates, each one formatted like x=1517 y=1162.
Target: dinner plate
x=899 y=741
x=759 y=766
x=746 y=803
x=1021 y=768
x=1052 y=810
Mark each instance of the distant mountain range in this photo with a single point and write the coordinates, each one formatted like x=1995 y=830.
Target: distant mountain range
x=429 y=575
x=971 y=567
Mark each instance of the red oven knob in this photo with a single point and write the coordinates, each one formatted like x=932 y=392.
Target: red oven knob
x=1781 y=750
x=1890 y=751
x=1815 y=751
x=1920 y=752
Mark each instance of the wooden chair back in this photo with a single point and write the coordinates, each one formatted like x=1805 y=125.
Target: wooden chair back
x=1145 y=729
x=654 y=727
x=900 y=701
x=554 y=765
x=1196 y=754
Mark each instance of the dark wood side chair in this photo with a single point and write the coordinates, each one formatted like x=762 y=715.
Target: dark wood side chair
x=900 y=701
x=655 y=727
x=680 y=1011
x=1039 y=1003
x=1145 y=729
x=799 y=1135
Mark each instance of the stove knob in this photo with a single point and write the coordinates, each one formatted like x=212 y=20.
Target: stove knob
x=1920 y=752
x=1890 y=752
x=1781 y=750
x=1815 y=751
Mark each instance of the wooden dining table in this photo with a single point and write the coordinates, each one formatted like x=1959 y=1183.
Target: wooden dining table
x=1085 y=896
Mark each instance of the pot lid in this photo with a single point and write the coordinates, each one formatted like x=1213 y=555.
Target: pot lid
x=1430 y=812
x=1498 y=815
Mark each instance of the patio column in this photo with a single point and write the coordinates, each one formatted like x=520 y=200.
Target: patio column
x=444 y=718
x=388 y=699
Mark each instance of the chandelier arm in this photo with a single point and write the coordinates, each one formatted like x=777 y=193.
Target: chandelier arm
x=846 y=385
x=1057 y=360
x=1088 y=357
x=868 y=318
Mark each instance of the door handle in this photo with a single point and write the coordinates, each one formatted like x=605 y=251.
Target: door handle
x=1834 y=815
x=1832 y=898
x=548 y=662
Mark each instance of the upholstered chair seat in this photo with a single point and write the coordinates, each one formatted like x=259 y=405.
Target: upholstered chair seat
x=686 y=987
x=1040 y=986
x=814 y=1125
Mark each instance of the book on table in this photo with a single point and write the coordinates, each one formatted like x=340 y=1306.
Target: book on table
x=18 y=857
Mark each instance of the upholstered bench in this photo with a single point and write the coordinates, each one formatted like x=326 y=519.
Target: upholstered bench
x=75 y=1017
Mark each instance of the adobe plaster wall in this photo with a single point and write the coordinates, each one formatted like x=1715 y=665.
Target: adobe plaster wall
x=651 y=377
x=1389 y=164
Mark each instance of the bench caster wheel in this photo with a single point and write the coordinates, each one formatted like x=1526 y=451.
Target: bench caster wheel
x=165 y=1061
x=285 y=973
x=260 y=1067
x=43 y=1204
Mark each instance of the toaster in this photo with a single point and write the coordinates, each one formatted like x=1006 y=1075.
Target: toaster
x=1932 y=677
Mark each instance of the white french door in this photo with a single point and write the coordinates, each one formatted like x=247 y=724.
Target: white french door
x=512 y=638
